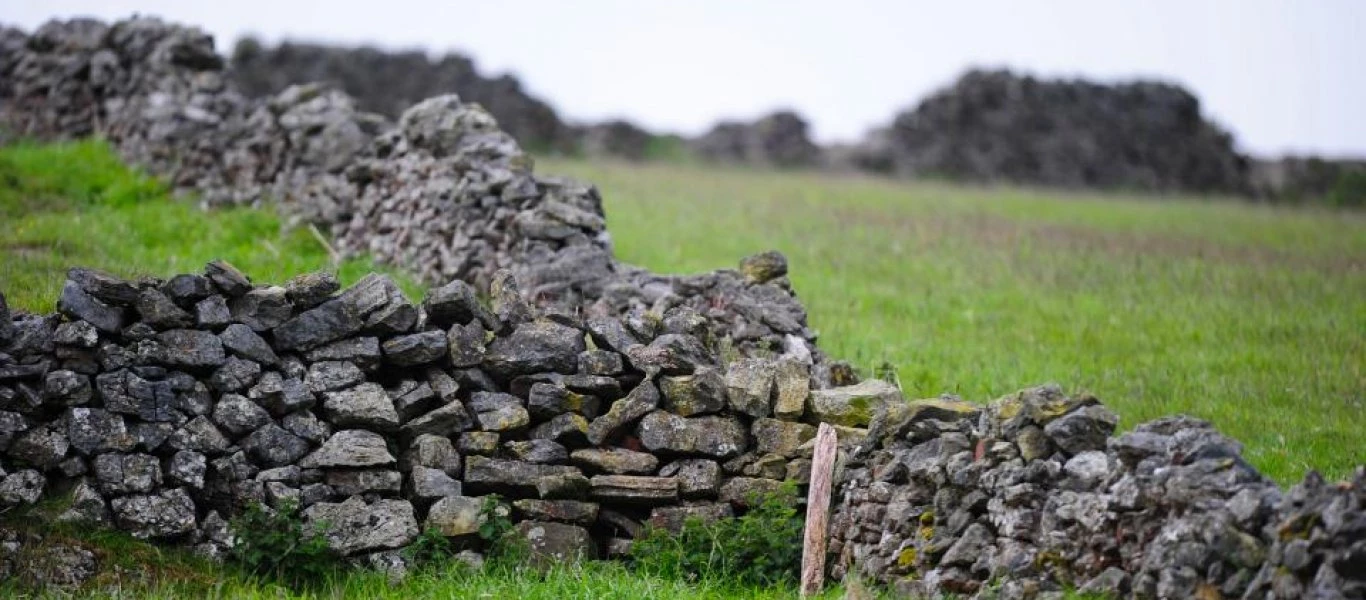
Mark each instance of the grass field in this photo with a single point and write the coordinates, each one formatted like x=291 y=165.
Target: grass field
x=1253 y=317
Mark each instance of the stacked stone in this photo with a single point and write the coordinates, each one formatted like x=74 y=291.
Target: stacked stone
x=1033 y=493
x=779 y=139
x=169 y=405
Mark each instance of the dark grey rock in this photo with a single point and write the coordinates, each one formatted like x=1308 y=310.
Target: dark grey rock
x=610 y=334
x=719 y=437
x=236 y=415
x=212 y=312
x=87 y=507
x=433 y=452
x=78 y=334
x=364 y=481
x=561 y=511
x=412 y=399
x=227 y=278
x=498 y=412
x=191 y=348
x=364 y=352
x=354 y=526
x=672 y=518
x=484 y=474
x=427 y=485
x=467 y=344
x=21 y=487
x=127 y=473
x=272 y=446
x=484 y=443
x=350 y=448
x=199 y=435
x=185 y=290
x=94 y=430
x=235 y=375
x=104 y=287
x=366 y=406
x=546 y=400
x=77 y=304
x=415 y=349
x=447 y=419
x=311 y=289
x=160 y=312
x=187 y=468
x=67 y=388
x=623 y=414
x=1083 y=429
x=242 y=341
x=556 y=543
x=634 y=489
x=455 y=303
x=568 y=429
x=764 y=267
x=537 y=451
x=307 y=425
x=670 y=354
x=41 y=447
x=701 y=393
x=536 y=347
x=328 y=322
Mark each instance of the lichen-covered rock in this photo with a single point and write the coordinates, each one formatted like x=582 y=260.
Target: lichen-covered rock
x=354 y=527
x=350 y=448
x=719 y=437
x=556 y=543
x=634 y=489
x=623 y=413
x=365 y=406
x=168 y=514
x=701 y=393
x=536 y=347
x=456 y=516
x=615 y=461
x=853 y=405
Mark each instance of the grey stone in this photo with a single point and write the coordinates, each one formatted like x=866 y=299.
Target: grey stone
x=350 y=448
x=308 y=290
x=160 y=312
x=1084 y=429
x=672 y=518
x=556 y=543
x=565 y=486
x=547 y=400
x=87 y=507
x=568 y=429
x=853 y=405
x=170 y=513
x=749 y=386
x=237 y=415
x=455 y=303
x=327 y=322
x=697 y=478
x=307 y=425
x=77 y=304
x=1089 y=467
x=412 y=399
x=718 y=437
x=743 y=491
x=41 y=447
x=772 y=436
x=466 y=344
x=235 y=375
x=199 y=435
x=615 y=461
x=78 y=334
x=426 y=485
x=364 y=352
x=701 y=393
x=272 y=446
x=433 y=452
x=191 y=348
x=508 y=476
x=354 y=526
x=610 y=334
x=537 y=451
x=634 y=489
x=366 y=406
x=456 y=516
x=600 y=362
x=187 y=289
x=415 y=349
x=670 y=354
x=624 y=413
x=498 y=412
x=212 y=312
x=227 y=278
x=187 y=468
x=127 y=473
x=21 y=487
x=562 y=511
x=447 y=419
x=94 y=430
x=536 y=347
x=364 y=481
x=242 y=341
x=484 y=443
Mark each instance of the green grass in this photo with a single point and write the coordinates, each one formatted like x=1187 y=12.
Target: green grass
x=1251 y=316
x=74 y=204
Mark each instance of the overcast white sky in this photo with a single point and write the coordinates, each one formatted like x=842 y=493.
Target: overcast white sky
x=1283 y=75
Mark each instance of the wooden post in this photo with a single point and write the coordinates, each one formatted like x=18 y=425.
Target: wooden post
x=818 y=511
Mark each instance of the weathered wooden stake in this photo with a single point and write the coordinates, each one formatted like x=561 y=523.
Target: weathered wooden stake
x=818 y=512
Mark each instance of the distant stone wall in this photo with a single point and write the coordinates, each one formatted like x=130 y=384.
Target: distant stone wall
x=997 y=126
x=776 y=140
x=388 y=82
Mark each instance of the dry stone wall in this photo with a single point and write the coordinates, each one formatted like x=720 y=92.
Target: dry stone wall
x=596 y=397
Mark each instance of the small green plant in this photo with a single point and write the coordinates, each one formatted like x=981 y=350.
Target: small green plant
x=501 y=543
x=763 y=547
x=276 y=544
x=431 y=548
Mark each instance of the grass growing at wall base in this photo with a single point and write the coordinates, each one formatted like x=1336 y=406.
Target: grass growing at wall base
x=75 y=204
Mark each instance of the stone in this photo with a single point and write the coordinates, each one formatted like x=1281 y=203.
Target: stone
x=273 y=446
x=87 y=507
x=94 y=430
x=701 y=393
x=608 y=333
x=741 y=492
x=498 y=412
x=1086 y=428
x=547 y=400
x=478 y=442
x=238 y=416
x=562 y=511
x=415 y=349
x=537 y=451
x=615 y=461
x=672 y=518
x=67 y=387
x=364 y=352
x=308 y=290
x=328 y=322
x=227 y=278
x=168 y=514
x=749 y=386
x=79 y=305
x=160 y=312
x=242 y=341
x=1088 y=467
x=853 y=405
x=568 y=429
x=714 y=436
x=365 y=406
x=127 y=473
x=556 y=543
x=235 y=375
x=199 y=435
x=697 y=478
x=412 y=399
x=466 y=345
x=364 y=481
x=570 y=486
x=772 y=436
x=792 y=386
x=42 y=448
x=455 y=303
x=456 y=516
x=634 y=489
x=212 y=313
x=535 y=347
x=354 y=527
x=426 y=485
x=307 y=425
x=350 y=448
x=445 y=420
x=670 y=354
x=508 y=476
x=433 y=452
x=600 y=362
x=187 y=289
x=763 y=267
x=186 y=468
x=191 y=348
x=624 y=413
x=974 y=542
x=21 y=487
x=78 y=334
x=282 y=395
